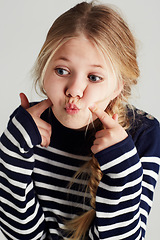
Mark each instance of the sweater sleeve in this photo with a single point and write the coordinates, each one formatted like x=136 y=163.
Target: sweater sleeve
x=21 y=216
x=125 y=193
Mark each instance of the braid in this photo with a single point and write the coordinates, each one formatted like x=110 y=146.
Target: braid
x=78 y=227
x=95 y=178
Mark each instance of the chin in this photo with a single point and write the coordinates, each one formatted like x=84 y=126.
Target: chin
x=73 y=122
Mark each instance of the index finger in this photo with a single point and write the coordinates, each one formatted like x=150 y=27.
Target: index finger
x=107 y=121
x=41 y=107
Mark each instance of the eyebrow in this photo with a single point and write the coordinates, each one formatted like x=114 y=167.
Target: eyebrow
x=63 y=58
x=66 y=59
x=95 y=65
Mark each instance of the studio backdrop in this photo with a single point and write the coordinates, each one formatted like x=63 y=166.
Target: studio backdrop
x=23 y=27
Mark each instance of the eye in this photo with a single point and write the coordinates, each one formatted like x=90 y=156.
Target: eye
x=94 y=78
x=61 y=71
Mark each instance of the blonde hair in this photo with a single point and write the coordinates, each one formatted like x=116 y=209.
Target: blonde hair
x=109 y=32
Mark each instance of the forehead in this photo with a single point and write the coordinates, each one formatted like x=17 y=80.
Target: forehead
x=82 y=48
x=78 y=45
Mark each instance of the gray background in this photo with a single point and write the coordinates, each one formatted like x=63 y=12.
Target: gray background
x=23 y=28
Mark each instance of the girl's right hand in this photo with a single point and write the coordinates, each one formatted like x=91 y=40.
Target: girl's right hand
x=36 y=111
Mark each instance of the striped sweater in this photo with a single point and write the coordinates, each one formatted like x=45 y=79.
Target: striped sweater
x=35 y=197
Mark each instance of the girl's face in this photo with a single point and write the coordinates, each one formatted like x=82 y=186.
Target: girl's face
x=76 y=77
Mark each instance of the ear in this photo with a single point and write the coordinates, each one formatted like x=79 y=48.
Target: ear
x=118 y=90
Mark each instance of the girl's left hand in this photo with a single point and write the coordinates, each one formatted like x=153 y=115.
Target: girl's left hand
x=112 y=133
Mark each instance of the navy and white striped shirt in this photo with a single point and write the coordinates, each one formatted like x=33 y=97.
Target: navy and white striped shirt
x=34 y=195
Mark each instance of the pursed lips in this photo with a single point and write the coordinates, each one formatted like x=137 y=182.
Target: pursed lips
x=71 y=108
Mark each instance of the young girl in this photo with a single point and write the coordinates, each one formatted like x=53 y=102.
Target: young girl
x=82 y=164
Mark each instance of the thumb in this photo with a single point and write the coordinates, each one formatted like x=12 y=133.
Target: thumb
x=24 y=101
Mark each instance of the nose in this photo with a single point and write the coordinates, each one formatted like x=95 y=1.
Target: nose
x=76 y=88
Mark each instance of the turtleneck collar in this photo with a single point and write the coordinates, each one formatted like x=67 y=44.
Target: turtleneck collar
x=66 y=139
